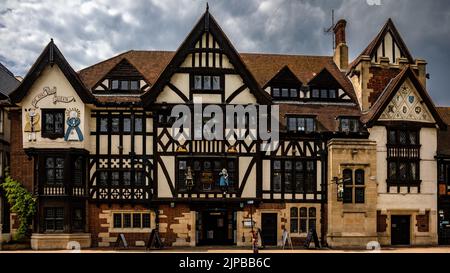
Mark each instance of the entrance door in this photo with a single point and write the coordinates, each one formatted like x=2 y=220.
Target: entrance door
x=400 y=230
x=216 y=227
x=269 y=228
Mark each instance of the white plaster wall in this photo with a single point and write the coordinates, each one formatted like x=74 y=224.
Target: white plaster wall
x=54 y=77
x=266 y=175
x=427 y=198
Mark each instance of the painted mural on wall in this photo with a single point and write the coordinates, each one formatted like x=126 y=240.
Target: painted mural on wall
x=32 y=123
x=407 y=105
x=73 y=132
x=33 y=117
x=46 y=92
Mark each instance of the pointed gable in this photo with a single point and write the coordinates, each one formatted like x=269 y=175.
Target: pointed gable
x=404 y=99
x=324 y=79
x=388 y=43
x=124 y=70
x=285 y=76
x=51 y=56
x=206 y=46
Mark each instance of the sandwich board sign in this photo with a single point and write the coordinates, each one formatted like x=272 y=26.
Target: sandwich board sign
x=121 y=240
x=312 y=235
x=286 y=239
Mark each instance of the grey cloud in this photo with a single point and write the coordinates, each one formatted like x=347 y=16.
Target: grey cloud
x=90 y=31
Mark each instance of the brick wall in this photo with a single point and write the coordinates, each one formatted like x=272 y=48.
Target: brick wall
x=100 y=224
x=21 y=165
x=170 y=223
x=379 y=81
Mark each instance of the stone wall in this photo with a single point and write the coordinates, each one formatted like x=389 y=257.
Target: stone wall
x=352 y=224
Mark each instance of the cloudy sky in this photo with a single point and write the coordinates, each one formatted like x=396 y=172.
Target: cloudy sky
x=88 y=31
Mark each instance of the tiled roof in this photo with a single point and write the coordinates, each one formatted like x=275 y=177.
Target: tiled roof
x=149 y=63
x=262 y=66
x=7 y=81
x=326 y=115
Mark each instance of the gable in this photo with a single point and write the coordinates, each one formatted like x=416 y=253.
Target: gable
x=407 y=100
x=325 y=79
x=388 y=44
x=407 y=105
x=285 y=77
x=206 y=52
x=51 y=56
x=123 y=71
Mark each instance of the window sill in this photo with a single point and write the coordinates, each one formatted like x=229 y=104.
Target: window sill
x=130 y=230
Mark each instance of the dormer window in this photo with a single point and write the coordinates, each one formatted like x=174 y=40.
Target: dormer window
x=349 y=125
x=324 y=93
x=285 y=93
x=207 y=83
x=301 y=124
x=125 y=85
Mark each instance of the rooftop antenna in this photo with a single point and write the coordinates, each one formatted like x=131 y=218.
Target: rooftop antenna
x=330 y=29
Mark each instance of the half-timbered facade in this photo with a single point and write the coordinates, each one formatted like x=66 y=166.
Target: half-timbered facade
x=98 y=150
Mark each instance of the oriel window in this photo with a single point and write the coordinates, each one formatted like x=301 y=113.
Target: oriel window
x=54 y=170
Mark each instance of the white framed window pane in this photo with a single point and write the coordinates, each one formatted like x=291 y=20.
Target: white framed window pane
x=197 y=82
x=207 y=82
x=216 y=83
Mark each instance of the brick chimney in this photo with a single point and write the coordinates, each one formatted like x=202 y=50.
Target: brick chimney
x=341 y=49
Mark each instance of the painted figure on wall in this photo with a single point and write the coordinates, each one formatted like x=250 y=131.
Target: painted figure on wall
x=73 y=132
x=32 y=125
x=223 y=181
x=189 y=178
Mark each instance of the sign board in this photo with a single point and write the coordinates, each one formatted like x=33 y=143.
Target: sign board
x=121 y=240
x=285 y=238
x=312 y=235
x=247 y=223
x=154 y=241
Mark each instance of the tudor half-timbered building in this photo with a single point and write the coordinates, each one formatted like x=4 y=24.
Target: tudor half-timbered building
x=98 y=151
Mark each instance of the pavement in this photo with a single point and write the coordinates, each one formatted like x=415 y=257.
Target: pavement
x=236 y=250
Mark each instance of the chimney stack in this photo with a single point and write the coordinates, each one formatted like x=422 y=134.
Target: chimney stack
x=341 y=49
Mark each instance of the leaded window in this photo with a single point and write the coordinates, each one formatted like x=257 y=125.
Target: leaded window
x=354 y=186
x=53 y=123
x=54 y=219
x=301 y=124
x=205 y=173
x=207 y=83
x=128 y=220
x=403 y=158
x=302 y=219
x=349 y=125
x=294 y=176
x=54 y=170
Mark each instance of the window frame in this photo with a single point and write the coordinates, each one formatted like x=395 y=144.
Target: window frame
x=211 y=88
x=53 y=134
x=353 y=187
x=233 y=173
x=54 y=219
x=305 y=123
x=356 y=129
x=132 y=225
x=308 y=181
x=303 y=220
x=396 y=148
